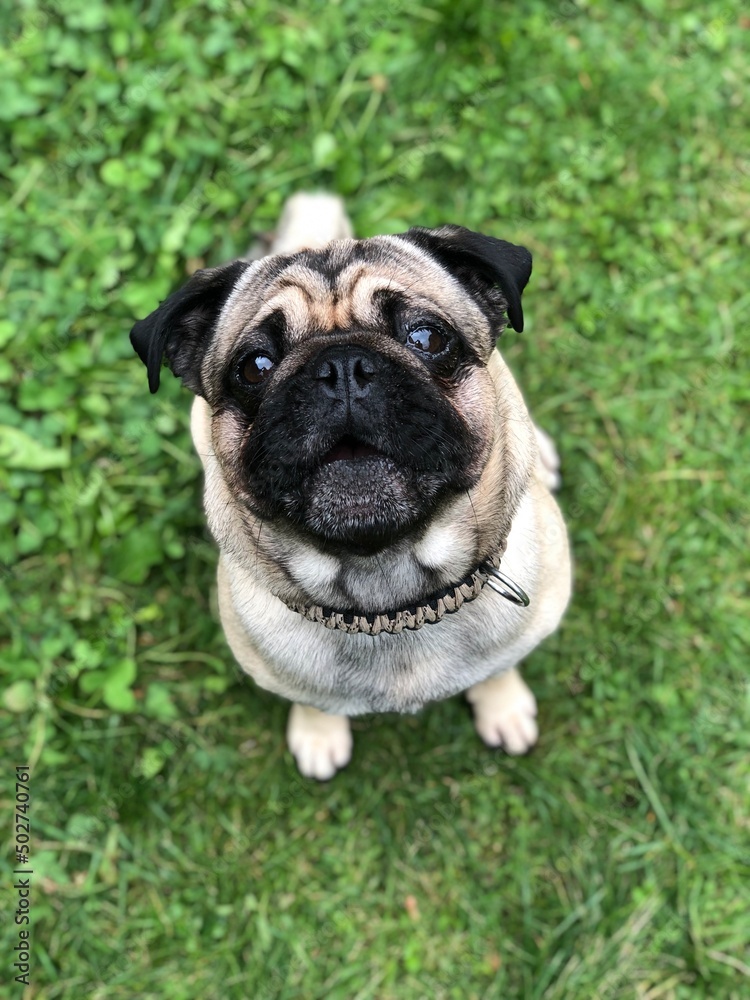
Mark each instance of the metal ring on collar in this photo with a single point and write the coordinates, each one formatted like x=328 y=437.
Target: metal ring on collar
x=506 y=587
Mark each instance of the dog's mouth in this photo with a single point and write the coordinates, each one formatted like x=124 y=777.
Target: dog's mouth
x=350 y=449
x=358 y=496
x=362 y=486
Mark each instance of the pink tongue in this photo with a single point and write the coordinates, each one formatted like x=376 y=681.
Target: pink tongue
x=348 y=452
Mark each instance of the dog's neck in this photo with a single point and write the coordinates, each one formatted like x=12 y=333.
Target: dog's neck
x=427 y=611
x=301 y=571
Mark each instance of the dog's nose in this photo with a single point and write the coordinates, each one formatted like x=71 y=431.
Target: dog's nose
x=345 y=372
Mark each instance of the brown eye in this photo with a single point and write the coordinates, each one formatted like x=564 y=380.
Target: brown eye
x=256 y=368
x=426 y=339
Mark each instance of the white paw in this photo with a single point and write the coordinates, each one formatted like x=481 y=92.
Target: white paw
x=549 y=460
x=309 y=221
x=321 y=743
x=505 y=712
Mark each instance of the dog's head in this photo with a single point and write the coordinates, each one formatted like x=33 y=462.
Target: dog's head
x=349 y=386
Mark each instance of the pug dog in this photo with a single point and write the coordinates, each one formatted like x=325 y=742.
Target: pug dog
x=379 y=495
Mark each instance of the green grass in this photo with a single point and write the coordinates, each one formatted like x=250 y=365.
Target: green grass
x=176 y=852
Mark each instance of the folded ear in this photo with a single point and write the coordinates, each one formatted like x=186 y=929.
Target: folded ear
x=181 y=328
x=482 y=263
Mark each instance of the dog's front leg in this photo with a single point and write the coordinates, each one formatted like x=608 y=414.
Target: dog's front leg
x=505 y=712
x=321 y=743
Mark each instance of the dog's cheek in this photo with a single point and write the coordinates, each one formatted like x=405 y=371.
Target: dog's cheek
x=474 y=400
x=229 y=433
x=261 y=448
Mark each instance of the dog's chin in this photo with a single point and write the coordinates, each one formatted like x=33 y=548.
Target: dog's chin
x=361 y=504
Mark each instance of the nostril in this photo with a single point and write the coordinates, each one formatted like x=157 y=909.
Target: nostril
x=345 y=373
x=327 y=372
x=363 y=370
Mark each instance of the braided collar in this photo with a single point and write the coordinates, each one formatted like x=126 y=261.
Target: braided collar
x=444 y=602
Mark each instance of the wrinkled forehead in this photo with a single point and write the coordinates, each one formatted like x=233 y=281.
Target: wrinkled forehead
x=340 y=287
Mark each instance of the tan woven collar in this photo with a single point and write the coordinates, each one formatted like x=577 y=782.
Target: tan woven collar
x=444 y=602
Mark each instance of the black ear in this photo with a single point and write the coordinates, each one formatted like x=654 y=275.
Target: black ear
x=180 y=329
x=482 y=263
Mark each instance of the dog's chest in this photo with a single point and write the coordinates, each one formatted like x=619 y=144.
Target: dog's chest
x=354 y=674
